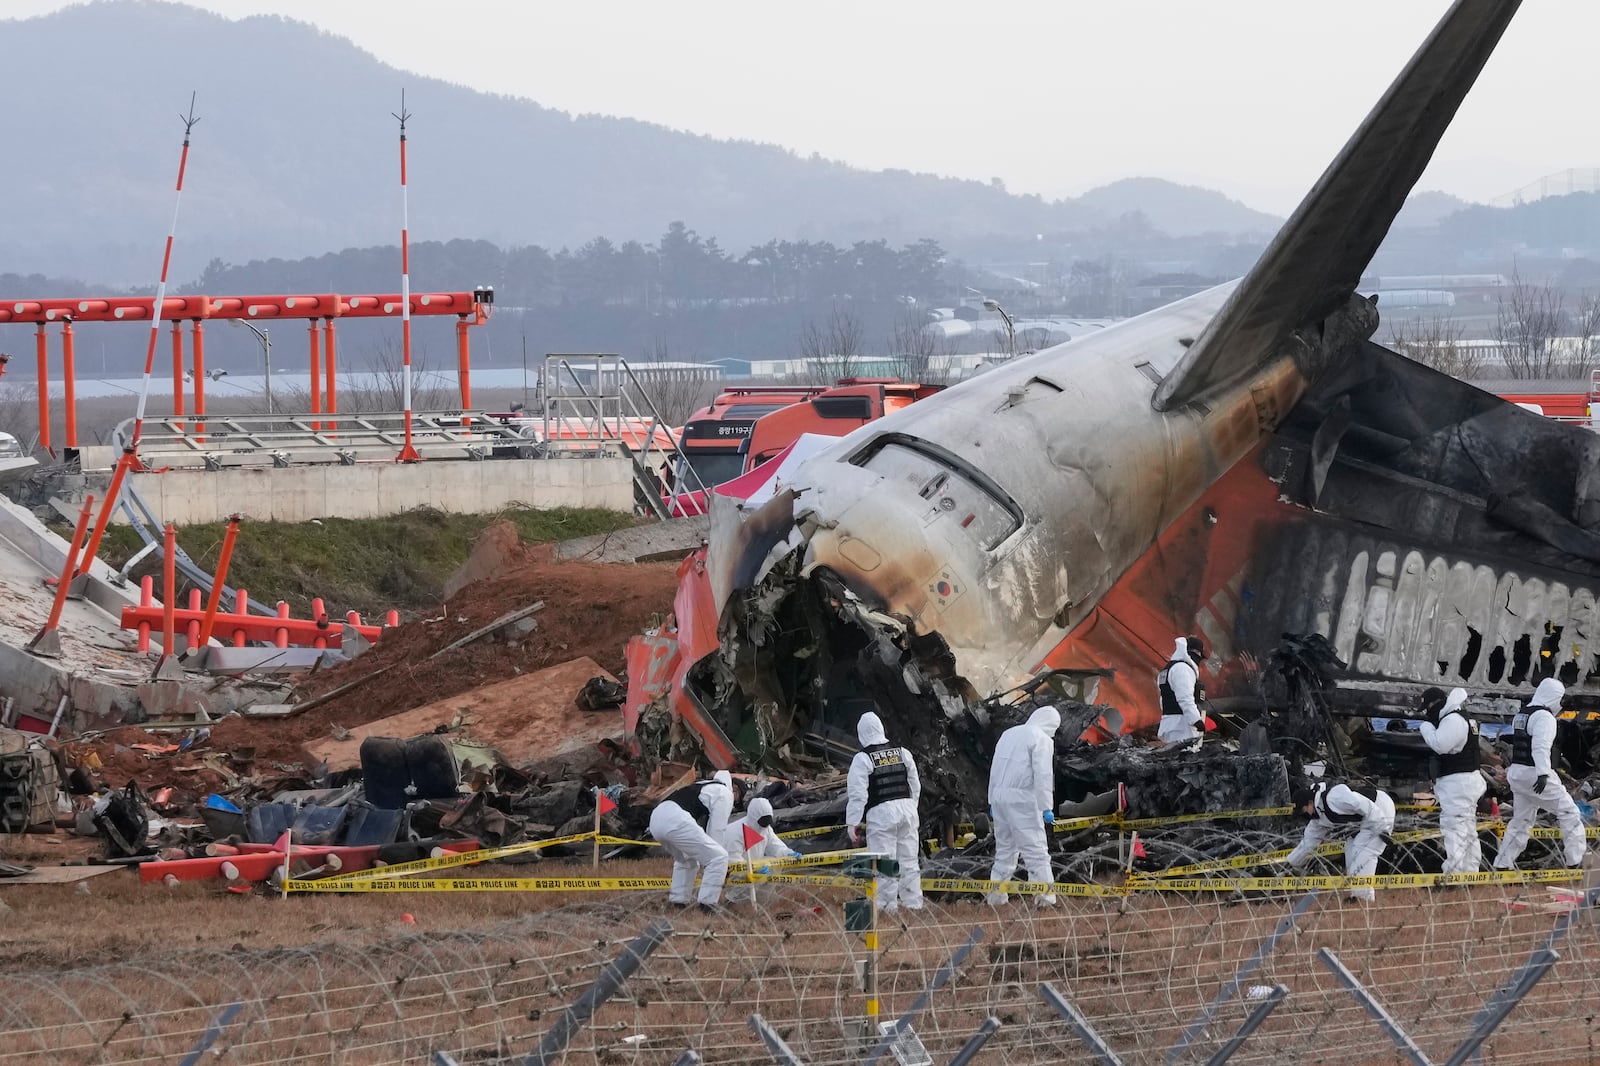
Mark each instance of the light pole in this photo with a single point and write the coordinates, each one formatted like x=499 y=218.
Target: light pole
x=1011 y=329
x=266 y=351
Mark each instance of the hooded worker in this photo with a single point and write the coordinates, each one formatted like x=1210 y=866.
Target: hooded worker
x=1457 y=783
x=1022 y=785
x=757 y=821
x=1180 y=711
x=688 y=825
x=883 y=790
x=1365 y=817
x=1534 y=785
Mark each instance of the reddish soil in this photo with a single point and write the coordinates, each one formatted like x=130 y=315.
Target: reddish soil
x=590 y=609
x=187 y=772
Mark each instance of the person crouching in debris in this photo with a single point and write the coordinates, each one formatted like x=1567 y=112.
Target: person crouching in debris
x=1535 y=786
x=884 y=789
x=1457 y=783
x=688 y=825
x=1337 y=809
x=754 y=838
x=1177 y=683
x=1022 y=786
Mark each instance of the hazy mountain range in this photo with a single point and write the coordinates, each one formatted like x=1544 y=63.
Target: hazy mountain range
x=296 y=152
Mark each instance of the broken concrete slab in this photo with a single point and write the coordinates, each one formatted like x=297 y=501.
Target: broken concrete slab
x=17 y=468
x=534 y=716
x=268 y=660
x=655 y=542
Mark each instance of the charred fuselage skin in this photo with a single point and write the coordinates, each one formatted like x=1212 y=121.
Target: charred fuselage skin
x=997 y=514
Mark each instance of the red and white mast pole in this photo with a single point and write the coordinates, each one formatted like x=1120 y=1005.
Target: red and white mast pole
x=130 y=453
x=408 y=454
x=189 y=122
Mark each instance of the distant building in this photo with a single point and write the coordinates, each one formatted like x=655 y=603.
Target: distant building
x=1157 y=290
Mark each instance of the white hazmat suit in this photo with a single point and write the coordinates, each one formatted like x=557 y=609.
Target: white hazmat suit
x=688 y=825
x=1458 y=793
x=1180 y=712
x=758 y=819
x=884 y=789
x=1339 y=809
x=1022 y=798
x=1534 y=785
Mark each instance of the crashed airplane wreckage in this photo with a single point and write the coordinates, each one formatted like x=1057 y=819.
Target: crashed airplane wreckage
x=1242 y=464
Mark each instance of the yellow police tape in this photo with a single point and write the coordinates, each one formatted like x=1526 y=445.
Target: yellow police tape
x=468 y=858
x=1303 y=884
x=457 y=858
x=484 y=884
x=1266 y=858
x=1133 y=885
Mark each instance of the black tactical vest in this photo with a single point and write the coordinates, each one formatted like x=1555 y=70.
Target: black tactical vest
x=1465 y=761
x=1521 y=739
x=1332 y=816
x=688 y=797
x=1169 y=701
x=888 y=779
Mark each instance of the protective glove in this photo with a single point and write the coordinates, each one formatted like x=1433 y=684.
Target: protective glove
x=1538 y=785
x=793 y=855
x=854 y=833
x=1049 y=817
x=764 y=870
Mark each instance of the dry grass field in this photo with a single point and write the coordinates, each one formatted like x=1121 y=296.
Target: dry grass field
x=123 y=972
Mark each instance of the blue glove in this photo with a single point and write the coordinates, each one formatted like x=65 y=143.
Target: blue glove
x=764 y=870
x=1049 y=817
x=793 y=855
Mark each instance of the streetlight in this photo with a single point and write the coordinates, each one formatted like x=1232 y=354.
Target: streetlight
x=266 y=351
x=1011 y=329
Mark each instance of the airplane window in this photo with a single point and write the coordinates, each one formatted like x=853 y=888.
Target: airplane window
x=953 y=492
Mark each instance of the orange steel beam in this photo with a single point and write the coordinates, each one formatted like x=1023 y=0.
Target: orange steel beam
x=42 y=347
x=177 y=370
x=316 y=374
x=464 y=363
x=217 y=581
x=199 y=376
x=69 y=379
x=113 y=494
x=330 y=387
x=44 y=643
x=135 y=309
x=169 y=591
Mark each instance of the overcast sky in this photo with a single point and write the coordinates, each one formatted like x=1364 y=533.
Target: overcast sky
x=1252 y=97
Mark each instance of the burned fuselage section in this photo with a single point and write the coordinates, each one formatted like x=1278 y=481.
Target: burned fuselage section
x=1243 y=463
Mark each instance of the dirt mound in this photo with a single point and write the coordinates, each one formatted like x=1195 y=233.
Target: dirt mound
x=590 y=609
x=130 y=753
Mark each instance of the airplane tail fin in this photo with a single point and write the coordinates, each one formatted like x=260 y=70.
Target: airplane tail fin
x=1311 y=268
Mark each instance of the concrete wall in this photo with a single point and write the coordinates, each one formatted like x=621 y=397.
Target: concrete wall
x=369 y=490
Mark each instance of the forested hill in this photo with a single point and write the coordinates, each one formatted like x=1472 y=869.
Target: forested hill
x=295 y=156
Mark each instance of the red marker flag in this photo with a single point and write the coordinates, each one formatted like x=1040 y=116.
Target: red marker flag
x=1138 y=848
x=605 y=802
x=752 y=837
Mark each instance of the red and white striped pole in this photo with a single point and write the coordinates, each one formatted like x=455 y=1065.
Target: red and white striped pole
x=189 y=122
x=408 y=454
x=130 y=452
